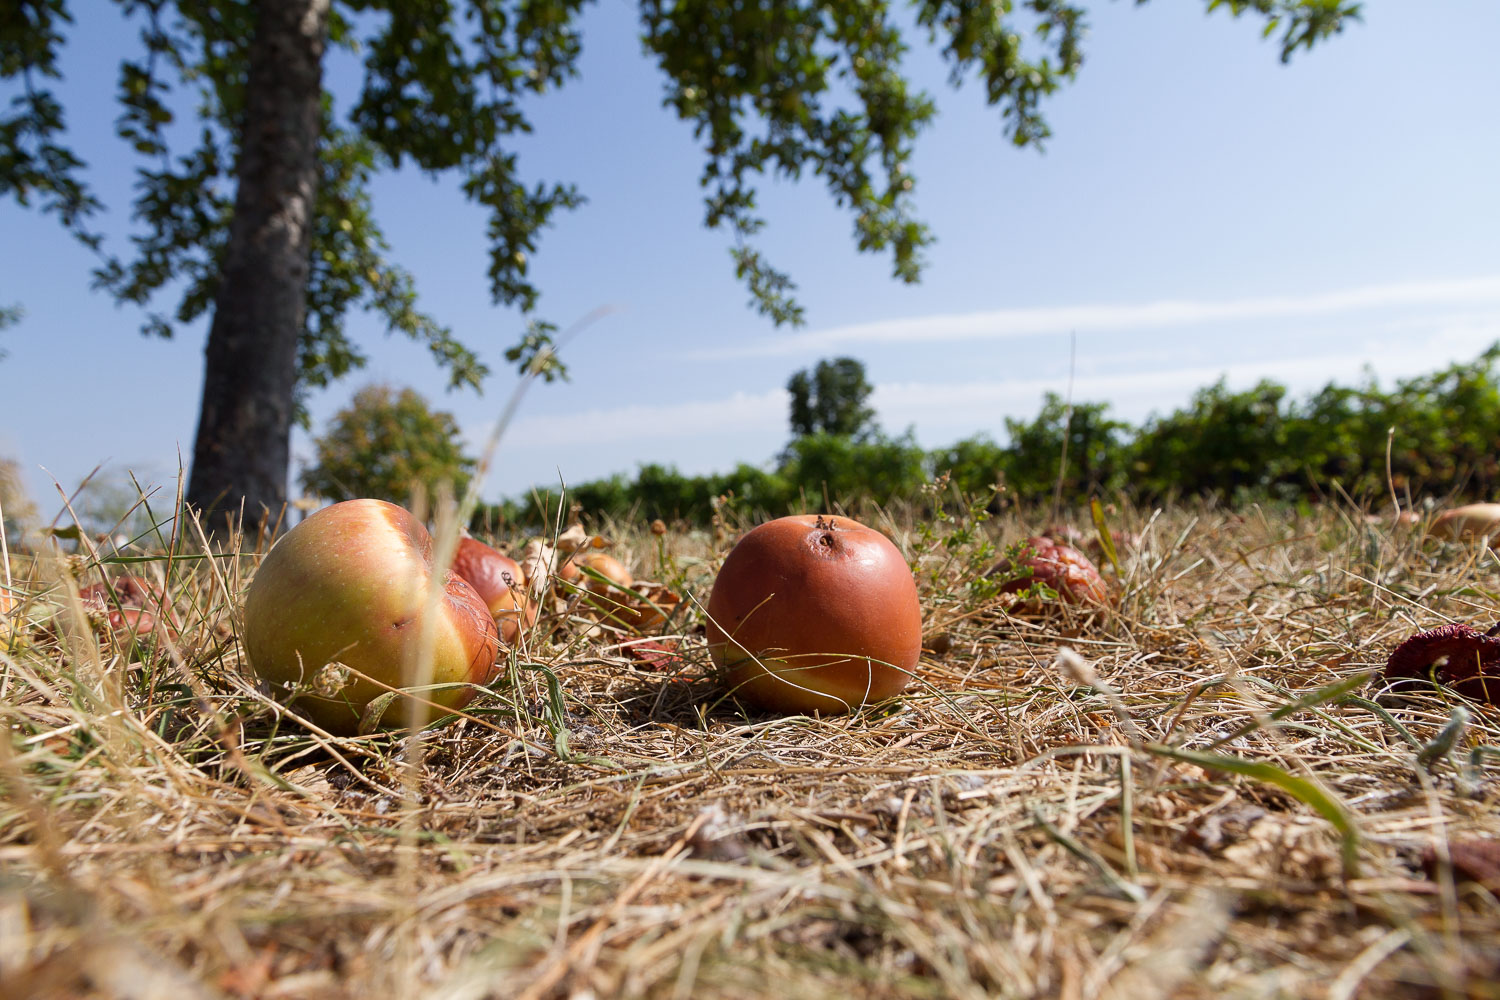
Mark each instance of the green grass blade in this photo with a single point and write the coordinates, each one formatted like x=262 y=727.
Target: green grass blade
x=1304 y=790
x=1096 y=509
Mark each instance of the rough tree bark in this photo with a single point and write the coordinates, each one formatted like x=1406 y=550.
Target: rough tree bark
x=243 y=445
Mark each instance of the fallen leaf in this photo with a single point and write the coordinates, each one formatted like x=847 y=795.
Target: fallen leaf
x=655 y=654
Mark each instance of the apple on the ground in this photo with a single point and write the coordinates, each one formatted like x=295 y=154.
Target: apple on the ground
x=815 y=613
x=333 y=617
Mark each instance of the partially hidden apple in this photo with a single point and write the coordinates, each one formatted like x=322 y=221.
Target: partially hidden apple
x=608 y=567
x=342 y=595
x=1470 y=522
x=132 y=605
x=815 y=613
x=1061 y=567
x=500 y=583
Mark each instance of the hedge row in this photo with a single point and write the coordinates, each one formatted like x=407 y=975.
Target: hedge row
x=1434 y=434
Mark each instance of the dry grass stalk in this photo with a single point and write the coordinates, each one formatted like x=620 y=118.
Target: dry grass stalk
x=1006 y=829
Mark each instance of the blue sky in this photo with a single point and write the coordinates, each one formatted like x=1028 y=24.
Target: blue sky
x=1201 y=210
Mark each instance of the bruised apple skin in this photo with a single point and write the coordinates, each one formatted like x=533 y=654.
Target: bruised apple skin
x=1059 y=566
x=346 y=588
x=132 y=605
x=815 y=613
x=500 y=583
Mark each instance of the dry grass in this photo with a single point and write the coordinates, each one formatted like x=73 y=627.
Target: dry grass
x=1015 y=826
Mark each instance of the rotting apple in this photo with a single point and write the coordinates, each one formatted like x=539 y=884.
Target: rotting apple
x=1061 y=567
x=131 y=605
x=500 y=583
x=333 y=617
x=815 y=613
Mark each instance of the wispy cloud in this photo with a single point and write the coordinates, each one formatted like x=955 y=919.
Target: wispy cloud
x=1009 y=323
x=1134 y=394
x=639 y=422
x=1134 y=390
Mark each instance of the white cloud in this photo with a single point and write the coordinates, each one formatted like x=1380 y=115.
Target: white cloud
x=1010 y=323
x=983 y=405
x=640 y=422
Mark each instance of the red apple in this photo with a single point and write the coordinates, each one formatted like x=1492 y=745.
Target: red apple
x=500 y=583
x=132 y=605
x=815 y=613
x=346 y=588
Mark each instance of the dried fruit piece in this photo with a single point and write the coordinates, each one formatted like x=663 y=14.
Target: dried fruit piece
x=1061 y=567
x=655 y=654
x=1474 y=521
x=1471 y=860
x=650 y=610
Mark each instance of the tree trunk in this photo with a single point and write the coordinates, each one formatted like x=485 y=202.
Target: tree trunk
x=243 y=448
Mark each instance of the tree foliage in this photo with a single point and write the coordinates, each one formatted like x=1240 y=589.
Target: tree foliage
x=813 y=85
x=773 y=89
x=9 y=316
x=1092 y=462
x=831 y=399
x=387 y=445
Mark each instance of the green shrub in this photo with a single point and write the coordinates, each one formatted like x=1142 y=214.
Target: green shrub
x=1255 y=444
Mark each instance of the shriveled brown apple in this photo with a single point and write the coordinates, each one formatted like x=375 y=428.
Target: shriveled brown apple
x=1061 y=567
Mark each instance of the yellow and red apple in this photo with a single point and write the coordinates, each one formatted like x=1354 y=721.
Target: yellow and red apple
x=334 y=615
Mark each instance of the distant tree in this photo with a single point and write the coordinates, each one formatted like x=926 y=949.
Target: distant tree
x=385 y=445
x=1225 y=444
x=1096 y=460
x=17 y=511
x=9 y=316
x=1447 y=428
x=114 y=503
x=830 y=399
x=848 y=470
x=258 y=209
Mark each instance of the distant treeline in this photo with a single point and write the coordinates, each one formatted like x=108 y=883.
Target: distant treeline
x=1231 y=446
